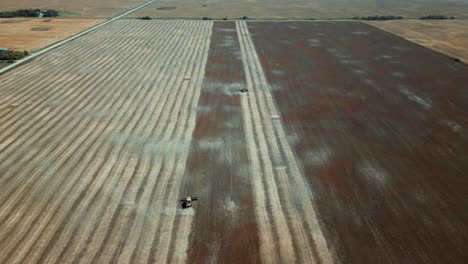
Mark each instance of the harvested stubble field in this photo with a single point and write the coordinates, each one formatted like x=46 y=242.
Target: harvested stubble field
x=348 y=147
x=303 y=9
x=35 y=33
x=447 y=36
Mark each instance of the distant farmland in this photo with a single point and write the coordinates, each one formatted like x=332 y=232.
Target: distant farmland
x=35 y=33
x=446 y=36
x=302 y=9
x=349 y=146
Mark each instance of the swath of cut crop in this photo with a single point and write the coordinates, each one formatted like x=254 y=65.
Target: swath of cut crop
x=93 y=155
x=285 y=210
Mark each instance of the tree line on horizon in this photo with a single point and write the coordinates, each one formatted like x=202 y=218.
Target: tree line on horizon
x=29 y=13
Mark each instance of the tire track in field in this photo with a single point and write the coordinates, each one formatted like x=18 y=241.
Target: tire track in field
x=283 y=200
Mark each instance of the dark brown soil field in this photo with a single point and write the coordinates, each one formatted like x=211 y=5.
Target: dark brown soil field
x=348 y=147
x=380 y=127
x=218 y=161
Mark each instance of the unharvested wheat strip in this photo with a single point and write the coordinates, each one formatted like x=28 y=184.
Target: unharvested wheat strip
x=306 y=254
x=111 y=243
x=272 y=145
x=302 y=241
x=300 y=185
x=268 y=249
x=186 y=113
x=298 y=181
x=295 y=175
x=285 y=247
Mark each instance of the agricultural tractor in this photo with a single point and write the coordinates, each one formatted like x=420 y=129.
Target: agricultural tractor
x=187 y=202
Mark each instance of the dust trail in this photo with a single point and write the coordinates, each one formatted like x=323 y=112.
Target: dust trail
x=279 y=183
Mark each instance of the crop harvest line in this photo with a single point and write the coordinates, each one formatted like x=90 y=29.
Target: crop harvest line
x=19 y=62
x=287 y=233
